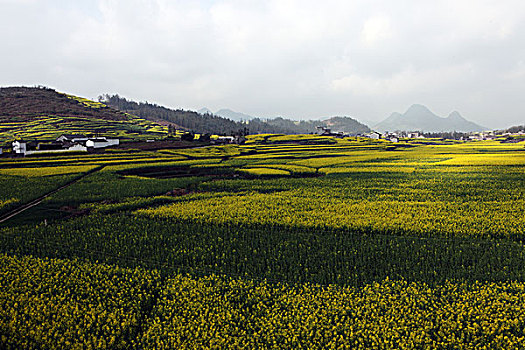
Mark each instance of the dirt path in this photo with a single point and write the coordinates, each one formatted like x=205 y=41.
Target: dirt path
x=39 y=200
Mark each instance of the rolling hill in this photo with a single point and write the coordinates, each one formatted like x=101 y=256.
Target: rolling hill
x=419 y=117
x=346 y=125
x=183 y=119
x=44 y=114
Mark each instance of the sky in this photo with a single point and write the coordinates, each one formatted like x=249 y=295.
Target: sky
x=298 y=59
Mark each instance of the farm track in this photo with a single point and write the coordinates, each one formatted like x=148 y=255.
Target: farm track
x=39 y=200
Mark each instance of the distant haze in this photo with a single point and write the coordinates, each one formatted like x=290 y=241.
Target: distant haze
x=227 y=113
x=297 y=59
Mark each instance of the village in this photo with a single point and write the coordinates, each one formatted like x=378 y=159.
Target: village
x=64 y=144
x=80 y=143
x=69 y=143
x=396 y=136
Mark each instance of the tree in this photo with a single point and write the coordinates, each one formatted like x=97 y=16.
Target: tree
x=187 y=137
x=205 y=137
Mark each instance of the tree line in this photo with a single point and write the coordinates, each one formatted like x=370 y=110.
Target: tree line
x=213 y=124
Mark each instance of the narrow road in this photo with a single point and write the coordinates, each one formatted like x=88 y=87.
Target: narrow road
x=39 y=200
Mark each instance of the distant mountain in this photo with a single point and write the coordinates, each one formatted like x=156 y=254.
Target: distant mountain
x=227 y=113
x=237 y=116
x=419 y=117
x=367 y=122
x=204 y=111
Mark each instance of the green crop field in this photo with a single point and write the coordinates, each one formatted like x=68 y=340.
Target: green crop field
x=284 y=242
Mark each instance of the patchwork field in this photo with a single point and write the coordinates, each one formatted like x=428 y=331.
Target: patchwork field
x=284 y=242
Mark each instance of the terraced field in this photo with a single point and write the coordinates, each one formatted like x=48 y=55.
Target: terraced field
x=44 y=114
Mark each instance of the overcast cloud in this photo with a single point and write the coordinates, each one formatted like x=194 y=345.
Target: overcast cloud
x=299 y=59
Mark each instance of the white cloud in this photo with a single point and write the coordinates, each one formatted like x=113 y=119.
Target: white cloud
x=275 y=57
x=516 y=74
x=376 y=30
x=406 y=82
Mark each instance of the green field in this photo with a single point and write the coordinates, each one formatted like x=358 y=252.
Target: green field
x=284 y=242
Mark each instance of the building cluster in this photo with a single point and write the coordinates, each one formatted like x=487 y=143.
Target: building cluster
x=492 y=135
x=63 y=144
x=471 y=136
x=392 y=137
x=323 y=131
x=223 y=140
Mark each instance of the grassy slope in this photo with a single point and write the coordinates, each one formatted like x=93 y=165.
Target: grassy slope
x=45 y=114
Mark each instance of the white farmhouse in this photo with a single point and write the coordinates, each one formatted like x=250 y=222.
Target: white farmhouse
x=74 y=148
x=393 y=139
x=72 y=138
x=77 y=148
x=19 y=147
x=102 y=142
x=225 y=139
x=374 y=135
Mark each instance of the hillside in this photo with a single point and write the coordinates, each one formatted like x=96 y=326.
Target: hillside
x=338 y=124
x=346 y=125
x=419 y=117
x=43 y=113
x=189 y=120
x=516 y=129
x=206 y=122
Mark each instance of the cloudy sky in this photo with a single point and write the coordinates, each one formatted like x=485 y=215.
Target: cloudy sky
x=299 y=59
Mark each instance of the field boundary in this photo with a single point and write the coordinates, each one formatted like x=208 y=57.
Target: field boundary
x=37 y=201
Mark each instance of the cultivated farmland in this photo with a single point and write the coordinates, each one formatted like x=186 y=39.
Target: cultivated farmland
x=284 y=242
